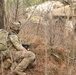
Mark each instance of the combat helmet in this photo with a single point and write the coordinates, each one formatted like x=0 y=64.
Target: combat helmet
x=15 y=27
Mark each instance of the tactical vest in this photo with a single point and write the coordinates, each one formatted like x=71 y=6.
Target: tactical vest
x=3 y=39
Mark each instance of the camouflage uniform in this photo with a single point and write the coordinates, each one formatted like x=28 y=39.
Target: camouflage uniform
x=27 y=57
x=18 y=52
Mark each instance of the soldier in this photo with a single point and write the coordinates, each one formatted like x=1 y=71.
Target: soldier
x=18 y=51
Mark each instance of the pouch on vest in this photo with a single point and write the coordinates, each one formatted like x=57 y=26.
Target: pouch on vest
x=3 y=40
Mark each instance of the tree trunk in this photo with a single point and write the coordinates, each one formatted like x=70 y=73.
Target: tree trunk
x=16 y=14
x=2 y=14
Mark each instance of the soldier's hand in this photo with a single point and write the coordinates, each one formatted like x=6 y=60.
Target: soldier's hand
x=23 y=49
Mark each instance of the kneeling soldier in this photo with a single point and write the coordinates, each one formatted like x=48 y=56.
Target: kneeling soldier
x=27 y=57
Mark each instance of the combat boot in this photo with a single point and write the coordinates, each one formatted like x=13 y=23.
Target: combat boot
x=21 y=67
x=19 y=73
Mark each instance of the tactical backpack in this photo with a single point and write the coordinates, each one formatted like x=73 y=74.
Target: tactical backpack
x=3 y=39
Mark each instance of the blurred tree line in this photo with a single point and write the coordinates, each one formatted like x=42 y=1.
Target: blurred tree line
x=2 y=13
x=16 y=8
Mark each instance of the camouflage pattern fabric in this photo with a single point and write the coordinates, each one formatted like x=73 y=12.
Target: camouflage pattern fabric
x=3 y=39
x=16 y=52
x=15 y=41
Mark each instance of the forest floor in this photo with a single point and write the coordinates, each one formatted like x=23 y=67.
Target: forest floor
x=52 y=63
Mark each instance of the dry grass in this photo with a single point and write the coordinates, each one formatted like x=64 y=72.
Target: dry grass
x=55 y=65
x=34 y=34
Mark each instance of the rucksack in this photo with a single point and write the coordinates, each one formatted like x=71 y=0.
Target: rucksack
x=3 y=39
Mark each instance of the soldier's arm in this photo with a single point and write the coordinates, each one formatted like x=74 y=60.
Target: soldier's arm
x=16 y=42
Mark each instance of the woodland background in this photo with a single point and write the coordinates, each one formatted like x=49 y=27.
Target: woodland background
x=55 y=52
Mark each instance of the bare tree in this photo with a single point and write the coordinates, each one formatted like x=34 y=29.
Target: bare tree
x=16 y=14
x=2 y=13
